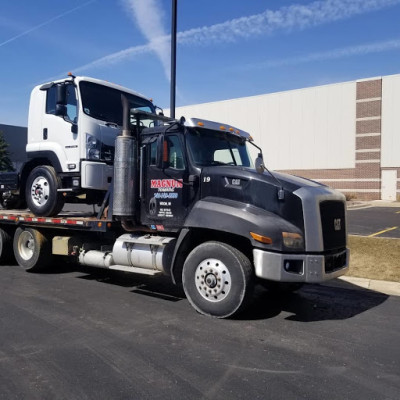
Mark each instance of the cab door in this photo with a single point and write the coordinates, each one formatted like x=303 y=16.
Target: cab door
x=165 y=192
x=58 y=133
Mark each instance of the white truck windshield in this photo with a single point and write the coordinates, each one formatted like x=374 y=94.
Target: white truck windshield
x=104 y=103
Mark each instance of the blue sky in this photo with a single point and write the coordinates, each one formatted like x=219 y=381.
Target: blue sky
x=226 y=48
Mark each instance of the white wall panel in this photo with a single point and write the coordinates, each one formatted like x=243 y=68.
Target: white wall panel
x=310 y=128
x=390 y=156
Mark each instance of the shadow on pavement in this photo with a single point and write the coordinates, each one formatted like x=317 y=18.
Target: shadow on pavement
x=315 y=303
x=311 y=303
x=152 y=286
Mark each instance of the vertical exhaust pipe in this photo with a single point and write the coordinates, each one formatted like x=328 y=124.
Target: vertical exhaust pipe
x=125 y=169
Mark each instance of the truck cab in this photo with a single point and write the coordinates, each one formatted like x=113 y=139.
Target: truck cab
x=72 y=128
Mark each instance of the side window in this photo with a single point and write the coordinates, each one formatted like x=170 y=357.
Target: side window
x=176 y=159
x=51 y=100
x=153 y=153
x=71 y=103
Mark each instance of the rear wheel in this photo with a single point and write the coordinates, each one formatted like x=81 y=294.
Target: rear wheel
x=217 y=279
x=31 y=249
x=6 y=254
x=42 y=196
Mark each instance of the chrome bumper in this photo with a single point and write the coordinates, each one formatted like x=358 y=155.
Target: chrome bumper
x=300 y=267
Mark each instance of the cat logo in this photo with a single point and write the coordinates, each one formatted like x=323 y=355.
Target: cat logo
x=337 y=224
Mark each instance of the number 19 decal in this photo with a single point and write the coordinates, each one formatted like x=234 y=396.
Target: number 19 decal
x=207 y=179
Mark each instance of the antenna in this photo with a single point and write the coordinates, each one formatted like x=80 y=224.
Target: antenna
x=173 y=58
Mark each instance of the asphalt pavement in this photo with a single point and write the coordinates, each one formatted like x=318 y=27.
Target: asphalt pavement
x=374 y=219
x=94 y=335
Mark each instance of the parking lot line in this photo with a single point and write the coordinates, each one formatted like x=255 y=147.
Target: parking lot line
x=384 y=231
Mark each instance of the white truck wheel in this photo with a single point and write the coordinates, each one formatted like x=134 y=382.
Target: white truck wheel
x=217 y=279
x=42 y=196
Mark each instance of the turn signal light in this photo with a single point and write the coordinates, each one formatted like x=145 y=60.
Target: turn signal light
x=261 y=238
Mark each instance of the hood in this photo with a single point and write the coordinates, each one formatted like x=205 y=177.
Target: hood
x=260 y=190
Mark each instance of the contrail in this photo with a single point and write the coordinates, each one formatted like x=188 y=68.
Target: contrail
x=296 y=17
x=363 y=49
x=149 y=17
x=46 y=23
x=288 y=19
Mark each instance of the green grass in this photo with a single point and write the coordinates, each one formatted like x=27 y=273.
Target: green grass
x=374 y=258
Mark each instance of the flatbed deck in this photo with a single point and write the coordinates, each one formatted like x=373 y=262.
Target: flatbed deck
x=66 y=219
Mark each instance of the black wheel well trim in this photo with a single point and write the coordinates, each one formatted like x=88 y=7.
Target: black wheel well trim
x=189 y=238
x=45 y=156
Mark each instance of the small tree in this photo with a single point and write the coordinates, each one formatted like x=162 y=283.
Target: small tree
x=5 y=161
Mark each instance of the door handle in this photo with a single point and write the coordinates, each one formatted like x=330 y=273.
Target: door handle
x=45 y=134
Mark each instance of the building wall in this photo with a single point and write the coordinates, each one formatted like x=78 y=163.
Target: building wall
x=343 y=135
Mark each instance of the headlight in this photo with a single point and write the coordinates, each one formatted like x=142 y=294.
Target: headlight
x=92 y=147
x=292 y=240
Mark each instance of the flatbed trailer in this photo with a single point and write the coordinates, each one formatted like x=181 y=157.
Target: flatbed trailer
x=87 y=222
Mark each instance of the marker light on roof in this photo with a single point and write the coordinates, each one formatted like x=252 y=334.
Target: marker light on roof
x=200 y=123
x=222 y=128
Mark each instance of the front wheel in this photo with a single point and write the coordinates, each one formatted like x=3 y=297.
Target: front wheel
x=42 y=196
x=217 y=279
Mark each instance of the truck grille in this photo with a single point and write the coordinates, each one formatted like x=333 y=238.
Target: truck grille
x=334 y=262
x=333 y=224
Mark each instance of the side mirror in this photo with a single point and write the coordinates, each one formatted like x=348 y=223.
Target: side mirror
x=259 y=164
x=61 y=110
x=162 y=153
x=61 y=94
x=61 y=100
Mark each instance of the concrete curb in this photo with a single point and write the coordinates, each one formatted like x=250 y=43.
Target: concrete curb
x=356 y=205
x=386 y=287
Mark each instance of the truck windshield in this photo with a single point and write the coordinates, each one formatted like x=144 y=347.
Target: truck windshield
x=104 y=103
x=209 y=147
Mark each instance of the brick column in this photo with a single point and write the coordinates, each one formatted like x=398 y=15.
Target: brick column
x=368 y=139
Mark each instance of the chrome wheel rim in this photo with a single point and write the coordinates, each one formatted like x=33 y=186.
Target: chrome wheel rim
x=213 y=280
x=40 y=191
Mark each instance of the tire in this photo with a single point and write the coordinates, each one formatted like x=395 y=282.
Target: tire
x=217 y=279
x=41 y=193
x=31 y=249
x=6 y=255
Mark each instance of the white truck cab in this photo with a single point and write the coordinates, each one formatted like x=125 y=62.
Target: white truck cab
x=72 y=128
